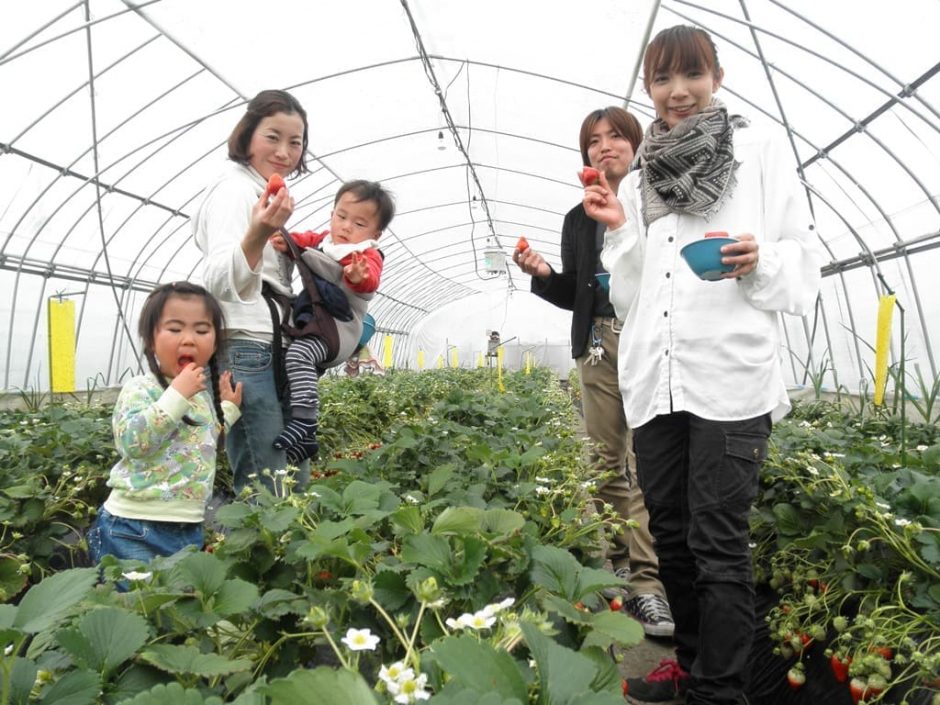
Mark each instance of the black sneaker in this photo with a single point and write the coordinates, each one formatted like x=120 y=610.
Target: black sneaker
x=652 y=611
x=666 y=683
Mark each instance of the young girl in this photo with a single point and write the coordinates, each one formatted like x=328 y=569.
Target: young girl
x=231 y=228
x=166 y=427
x=700 y=360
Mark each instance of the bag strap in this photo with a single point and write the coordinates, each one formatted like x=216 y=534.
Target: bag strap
x=323 y=324
x=275 y=301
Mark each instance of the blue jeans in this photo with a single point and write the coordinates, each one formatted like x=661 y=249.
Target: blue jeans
x=699 y=479
x=249 y=442
x=139 y=539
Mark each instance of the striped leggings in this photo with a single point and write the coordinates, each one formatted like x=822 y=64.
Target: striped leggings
x=303 y=356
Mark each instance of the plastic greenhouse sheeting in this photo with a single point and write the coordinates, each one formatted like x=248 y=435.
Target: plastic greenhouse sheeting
x=115 y=116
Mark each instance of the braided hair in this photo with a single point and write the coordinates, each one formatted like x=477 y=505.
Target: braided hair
x=149 y=319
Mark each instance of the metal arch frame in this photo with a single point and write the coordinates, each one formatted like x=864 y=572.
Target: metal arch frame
x=117 y=230
x=871 y=84
x=10 y=56
x=455 y=135
x=860 y=55
x=95 y=180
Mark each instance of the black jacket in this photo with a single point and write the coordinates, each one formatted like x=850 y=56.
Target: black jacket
x=573 y=288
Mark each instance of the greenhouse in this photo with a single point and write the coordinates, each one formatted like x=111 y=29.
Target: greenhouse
x=443 y=512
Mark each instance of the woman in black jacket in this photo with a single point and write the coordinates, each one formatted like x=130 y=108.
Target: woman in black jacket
x=609 y=137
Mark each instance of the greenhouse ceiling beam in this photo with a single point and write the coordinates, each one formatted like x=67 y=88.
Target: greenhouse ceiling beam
x=935 y=125
x=49 y=270
x=10 y=56
x=432 y=130
x=641 y=52
x=437 y=288
x=878 y=112
x=450 y=204
x=78 y=89
x=92 y=180
x=924 y=243
x=62 y=172
x=93 y=105
x=861 y=55
x=845 y=289
x=458 y=141
x=780 y=108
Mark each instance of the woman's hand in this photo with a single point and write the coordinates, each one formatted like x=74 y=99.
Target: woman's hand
x=267 y=216
x=601 y=204
x=191 y=379
x=532 y=263
x=228 y=391
x=743 y=254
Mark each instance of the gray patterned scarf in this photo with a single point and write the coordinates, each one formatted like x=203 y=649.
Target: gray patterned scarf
x=690 y=168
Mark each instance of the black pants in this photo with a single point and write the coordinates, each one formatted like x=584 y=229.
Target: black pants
x=699 y=479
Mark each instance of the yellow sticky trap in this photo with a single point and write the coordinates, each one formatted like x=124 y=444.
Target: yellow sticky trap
x=454 y=362
x=61 y=317
x=421 y=359
x=528 y=363
x=479 y=359
x=387 y=353
x=882 y=341
x=440 y=362
x=499 y=369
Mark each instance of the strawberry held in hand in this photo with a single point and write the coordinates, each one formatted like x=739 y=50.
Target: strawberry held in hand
x=522 y=245
x=275 y=184
x=589 y=176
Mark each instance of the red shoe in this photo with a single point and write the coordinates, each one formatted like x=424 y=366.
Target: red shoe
x=666 y=683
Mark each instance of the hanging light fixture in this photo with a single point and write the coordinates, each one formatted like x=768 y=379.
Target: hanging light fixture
x=494 y=259
x=440 y=141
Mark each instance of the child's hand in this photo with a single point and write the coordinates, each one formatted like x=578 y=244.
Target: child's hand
x=228 y=391
x=191 y=379
x=277 y=242
x=357 y=271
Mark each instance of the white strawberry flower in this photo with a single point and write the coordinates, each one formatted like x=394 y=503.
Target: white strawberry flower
x=360 y=640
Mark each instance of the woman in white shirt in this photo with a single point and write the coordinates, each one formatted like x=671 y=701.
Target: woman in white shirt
x=231 y=229
x=699 y=360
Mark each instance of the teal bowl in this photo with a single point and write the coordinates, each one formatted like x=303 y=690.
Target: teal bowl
x=704 y=257
x=603 y=281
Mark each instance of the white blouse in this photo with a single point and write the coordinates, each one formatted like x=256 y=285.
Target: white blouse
x=712 y=348
x=219 y=225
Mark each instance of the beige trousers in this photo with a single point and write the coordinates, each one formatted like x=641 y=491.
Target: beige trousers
x=612 y=450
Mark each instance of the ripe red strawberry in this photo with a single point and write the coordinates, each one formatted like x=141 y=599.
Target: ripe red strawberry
x=858 y=689
x=840 y=668
x=522 y=245
x=796 y=678
x=589 y=175
x=616 y=604
x=275 y=184
x=884 y=651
